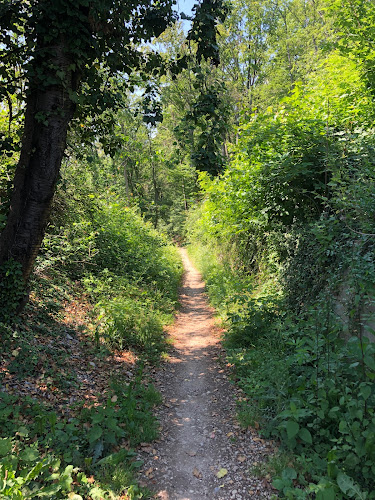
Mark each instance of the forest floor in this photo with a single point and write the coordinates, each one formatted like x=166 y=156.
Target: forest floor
x=202 y=451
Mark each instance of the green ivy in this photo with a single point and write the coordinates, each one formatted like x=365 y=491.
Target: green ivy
x=12 y=289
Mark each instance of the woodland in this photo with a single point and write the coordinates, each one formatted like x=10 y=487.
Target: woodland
x=245 y=132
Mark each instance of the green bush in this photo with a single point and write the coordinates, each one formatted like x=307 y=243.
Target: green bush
x=129 y=271
x=296 y=206
x=130 y=323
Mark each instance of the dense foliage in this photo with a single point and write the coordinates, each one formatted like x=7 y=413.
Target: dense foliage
x=262 y=140
x=121 y=276
x=285 y=241
x=68 y=62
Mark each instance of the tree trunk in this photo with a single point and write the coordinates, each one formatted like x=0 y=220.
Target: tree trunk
x=127 y=190
x=156 y=195
x=48 y=113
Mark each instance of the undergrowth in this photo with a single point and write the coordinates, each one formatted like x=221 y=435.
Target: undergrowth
x=307 y=372
x=285 y=241
x=75 y=399
x=44 y=454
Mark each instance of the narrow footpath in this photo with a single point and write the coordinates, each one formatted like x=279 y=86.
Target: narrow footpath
x=202 y=452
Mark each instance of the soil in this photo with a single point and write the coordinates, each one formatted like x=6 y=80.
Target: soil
x=203 y=453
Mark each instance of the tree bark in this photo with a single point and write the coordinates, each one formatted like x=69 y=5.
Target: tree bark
x=156 y=194
x=48 y=113
x=127 y=190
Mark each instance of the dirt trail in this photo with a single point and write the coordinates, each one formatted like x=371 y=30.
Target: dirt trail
x=199 y=433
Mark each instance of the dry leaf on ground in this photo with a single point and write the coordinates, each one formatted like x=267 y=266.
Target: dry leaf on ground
x=196 y=473
x=222 y=472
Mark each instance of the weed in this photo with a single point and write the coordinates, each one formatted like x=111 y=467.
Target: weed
x=274 y=465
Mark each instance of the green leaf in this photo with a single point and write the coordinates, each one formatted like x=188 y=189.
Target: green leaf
x=5 y=446
x=370 y=362
x=289 y=473
x=137 y=464
x=305 y=435
x=95 y=433
x=34 y=472
x=23 y=432
x=112 y=424
x=29 y=454
x=66 y=478
x=326 y=494
x=343 y=427
x=96 y=493
x=365 y=391
x=279 y=484
x=48 y=491
x=347 y=485
x=222 y=473
x=98 y=450
x=292 y=429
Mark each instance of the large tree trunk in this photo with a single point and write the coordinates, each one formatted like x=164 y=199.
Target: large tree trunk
x=48 y=113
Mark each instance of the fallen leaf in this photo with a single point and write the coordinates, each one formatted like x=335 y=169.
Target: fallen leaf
x=114 y=398
x=230 y=434
x=147 y=449
x=241 y=458
x=222 y=473
x=149 y=472
x=196 y=473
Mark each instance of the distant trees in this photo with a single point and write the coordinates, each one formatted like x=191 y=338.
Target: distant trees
x=356 y=22
x=60 y=58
